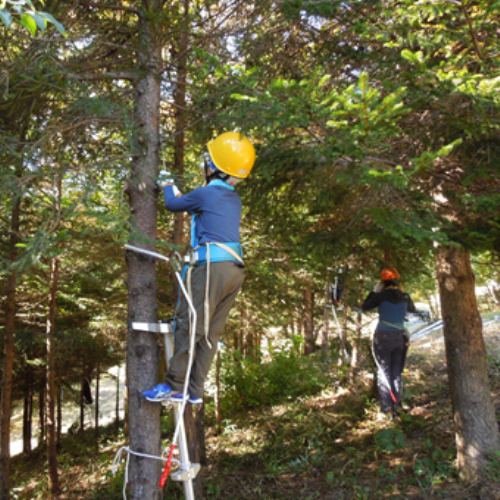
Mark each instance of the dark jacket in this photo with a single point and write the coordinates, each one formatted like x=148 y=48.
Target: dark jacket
x=392 y=306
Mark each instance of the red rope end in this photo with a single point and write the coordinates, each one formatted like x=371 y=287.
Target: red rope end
x=164 y=476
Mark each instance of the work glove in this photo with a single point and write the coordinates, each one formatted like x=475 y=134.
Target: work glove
x=164 y=177
x=379 y=287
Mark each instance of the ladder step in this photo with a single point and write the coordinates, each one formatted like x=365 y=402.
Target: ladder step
x=185 y=475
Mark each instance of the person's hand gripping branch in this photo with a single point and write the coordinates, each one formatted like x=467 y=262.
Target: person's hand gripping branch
x=165 y=178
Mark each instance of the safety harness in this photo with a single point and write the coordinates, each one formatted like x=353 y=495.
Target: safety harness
x=204 y=254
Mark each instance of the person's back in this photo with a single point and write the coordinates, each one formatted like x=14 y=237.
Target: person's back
x=393 y=305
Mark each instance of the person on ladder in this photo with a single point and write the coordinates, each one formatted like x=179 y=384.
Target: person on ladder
x=217 y=268
x=390 y=344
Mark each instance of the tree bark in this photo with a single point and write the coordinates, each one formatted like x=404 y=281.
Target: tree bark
x=194 y=457
x=343 y=341
x=59 y=408
x=180 y=123
x=117 y=402
x=308 y=322
x=9 y=353
x=142 y=348
x=28 y=413
x=218 y=413
x=82 y=403
x=476 y=427
x=41 y=410
x=326 y=323
x=199 y=422
x=51 y=389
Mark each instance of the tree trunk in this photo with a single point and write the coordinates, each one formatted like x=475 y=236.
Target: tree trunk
x=9 y=353
x=308 y=322
x=41 y=410
x=326 y=323
x=343 y=341
x=199 y=422
x=218 y=413
x=476 y=427
x=96 y=399
x=117 y=403
x=142 y=347
x=194 y=457
x=82 y=403
x=180 y=124
x=51 y=389
x=28 y=414
x=59 y=408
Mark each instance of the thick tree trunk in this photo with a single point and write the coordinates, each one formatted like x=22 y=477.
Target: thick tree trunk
x=142 y=347
x=308 y=322
x=8 y=360
x=476 y=427
x=51 y=386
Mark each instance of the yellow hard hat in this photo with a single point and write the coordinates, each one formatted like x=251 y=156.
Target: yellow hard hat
x=233 y=154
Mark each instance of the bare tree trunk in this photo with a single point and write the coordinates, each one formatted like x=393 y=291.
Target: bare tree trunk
x=82 y=403
x=96 y=398
x=9 y=353
x=117 y=402
x=194 y=456
x=28 y=413
x=326 y=323
x=476 y=427
x=142 y=348
x=180 y=122
x=51 y=368
x=41 y=410
x=308 y=322
x=200 y=433
x=59 y=407
x=218 y=413
x=343 y=340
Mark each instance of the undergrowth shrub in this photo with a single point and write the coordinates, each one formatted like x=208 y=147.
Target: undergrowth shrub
x=251 y=383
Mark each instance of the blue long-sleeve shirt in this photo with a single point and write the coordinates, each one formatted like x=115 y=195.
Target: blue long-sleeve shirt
x=217 y=209
x=392 y=308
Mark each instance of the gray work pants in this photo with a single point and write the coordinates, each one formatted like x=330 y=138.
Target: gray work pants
x=226 y=279
x=390 y=349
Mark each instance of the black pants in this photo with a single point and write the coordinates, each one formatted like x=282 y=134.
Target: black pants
x=389 y=349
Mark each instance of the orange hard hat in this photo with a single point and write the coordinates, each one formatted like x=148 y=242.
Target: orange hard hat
x=389 y=274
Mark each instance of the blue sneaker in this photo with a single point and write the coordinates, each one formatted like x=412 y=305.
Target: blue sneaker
x=178 y=397
x=160 y=392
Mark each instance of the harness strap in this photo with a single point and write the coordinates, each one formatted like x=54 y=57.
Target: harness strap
x=207 y=285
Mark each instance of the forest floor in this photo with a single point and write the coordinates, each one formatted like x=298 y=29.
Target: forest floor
x=328 y=446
